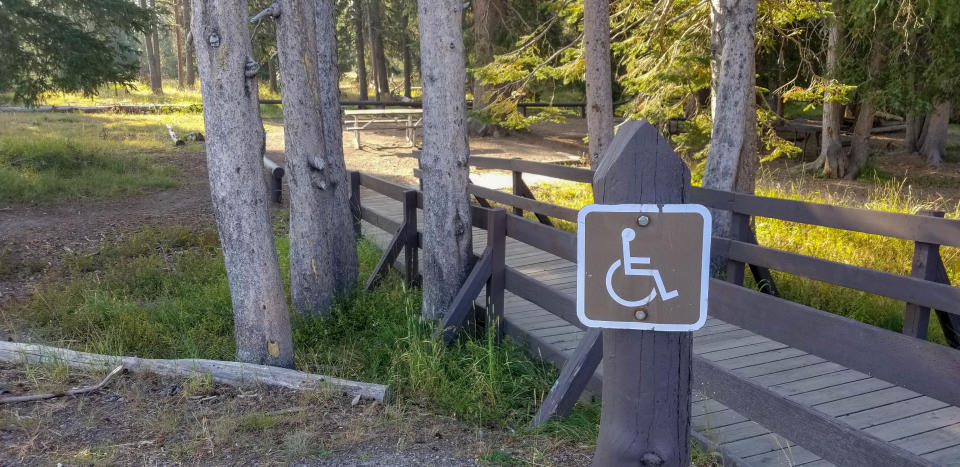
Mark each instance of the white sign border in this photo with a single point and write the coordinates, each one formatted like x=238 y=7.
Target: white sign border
x=653 y=209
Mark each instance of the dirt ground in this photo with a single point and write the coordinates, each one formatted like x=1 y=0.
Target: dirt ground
x=151 y=420
x=34 y=237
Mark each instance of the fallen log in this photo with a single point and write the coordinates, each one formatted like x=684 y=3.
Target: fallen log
x=231 y=373
x=173 y=135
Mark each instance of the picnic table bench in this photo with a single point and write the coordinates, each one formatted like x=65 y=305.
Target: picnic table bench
x=406 y=119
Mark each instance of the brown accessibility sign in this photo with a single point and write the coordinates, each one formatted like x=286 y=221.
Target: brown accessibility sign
x=643 y=266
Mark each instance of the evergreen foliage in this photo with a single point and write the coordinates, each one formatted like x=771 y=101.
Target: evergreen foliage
x=68 y=45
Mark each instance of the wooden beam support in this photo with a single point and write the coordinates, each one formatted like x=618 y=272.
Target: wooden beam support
x=573 y=379
x=355 y=201
x=645 y=416
x=496 y=283
x=926 y=259
x=411 y=244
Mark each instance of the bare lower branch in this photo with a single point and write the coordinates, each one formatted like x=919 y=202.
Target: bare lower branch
x=273 y=11
x=71 y=392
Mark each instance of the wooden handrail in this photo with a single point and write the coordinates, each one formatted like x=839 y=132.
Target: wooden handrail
x=909 y=289
x=927 y=229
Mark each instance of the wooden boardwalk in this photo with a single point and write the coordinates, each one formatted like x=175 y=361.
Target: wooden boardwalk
x=917 y=423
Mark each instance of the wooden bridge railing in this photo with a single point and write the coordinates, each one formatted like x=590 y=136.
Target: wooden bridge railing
x=915 y=364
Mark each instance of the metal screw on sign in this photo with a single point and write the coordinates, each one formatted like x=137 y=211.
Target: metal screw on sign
x=641 y=313
x=643 y=221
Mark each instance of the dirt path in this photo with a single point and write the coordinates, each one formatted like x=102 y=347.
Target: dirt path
x=35 y=237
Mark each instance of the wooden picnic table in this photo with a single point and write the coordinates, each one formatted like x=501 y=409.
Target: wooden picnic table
x=407 y=119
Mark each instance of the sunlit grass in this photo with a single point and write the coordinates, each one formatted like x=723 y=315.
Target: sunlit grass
x=870 y=251
x=137 y=93
x=52 y=156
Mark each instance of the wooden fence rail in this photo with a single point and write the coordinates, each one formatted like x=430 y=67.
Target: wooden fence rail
x=927 y=288
x=912 y=363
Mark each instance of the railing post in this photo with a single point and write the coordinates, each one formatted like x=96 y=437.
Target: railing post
x=276 y=185
x=411 y=249
x=497 y=239
x=739 y=231
x=355 y=201
x=645 y=416
x=926 y=261
x=518 y=189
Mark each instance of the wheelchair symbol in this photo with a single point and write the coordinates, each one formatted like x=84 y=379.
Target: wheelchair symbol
x=629 y=262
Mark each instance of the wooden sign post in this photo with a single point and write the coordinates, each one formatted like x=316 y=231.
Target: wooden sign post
x=645 y=418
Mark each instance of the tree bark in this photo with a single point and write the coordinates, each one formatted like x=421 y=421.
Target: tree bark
x=361 y=53
x=447 y=230
x=835 y=163
x=405 y=46
x=596 y=45
x=732 y=158
x=935 y=135
x=913 y=139
x=178 y=37
x=323 y=250
x=235 y=145
x=272 y=71
x=860 y=148
x=485 y=19
x=190 y=61
x=378 y=57
x=153 y=60
x=156 y=77
x=232 y=373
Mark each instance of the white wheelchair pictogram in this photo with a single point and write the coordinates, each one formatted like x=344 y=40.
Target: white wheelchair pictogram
x=629 y=264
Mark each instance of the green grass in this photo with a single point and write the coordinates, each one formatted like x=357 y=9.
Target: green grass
x=870 y=251
x=51 y=157
x=163 y=293
x=45 y=168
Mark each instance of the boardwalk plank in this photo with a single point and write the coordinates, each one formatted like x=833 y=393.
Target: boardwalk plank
x=920 y=423
x=891 y=412
x=841 y=391
x=777 y=366
x=930 y=441
x=862 y=402
x=708 y=422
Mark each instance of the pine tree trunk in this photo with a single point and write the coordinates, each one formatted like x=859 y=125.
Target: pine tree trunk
x=732 y=158
x=596 y=44
x=272 y=71
x=235 y=144
x=156 y=73
x=860 y=147
x=361 y=53
x=912 y=139
x=153 y=60
x=835 y=163
x=484 y=23
x=377 y=55
x=405 y=46
x=190 y=62
x=178 y=37
x=323 y=250
x=935 y=138
x=447 y=225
